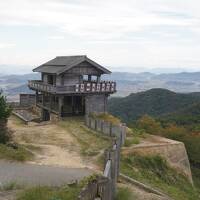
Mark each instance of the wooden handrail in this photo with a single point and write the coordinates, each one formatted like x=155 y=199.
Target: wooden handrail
x=85 y=87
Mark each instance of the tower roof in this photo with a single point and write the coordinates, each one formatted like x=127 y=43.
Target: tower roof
x=61 y=64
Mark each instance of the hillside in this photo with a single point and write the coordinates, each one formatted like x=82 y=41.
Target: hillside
x=154 y=102
x=188 y=116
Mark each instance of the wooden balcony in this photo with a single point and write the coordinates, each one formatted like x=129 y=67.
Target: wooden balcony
x=82 y=88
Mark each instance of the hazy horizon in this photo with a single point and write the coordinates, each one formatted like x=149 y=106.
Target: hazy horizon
x=7 y=69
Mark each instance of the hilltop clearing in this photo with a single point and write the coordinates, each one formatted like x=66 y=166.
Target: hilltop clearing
x=69 y=143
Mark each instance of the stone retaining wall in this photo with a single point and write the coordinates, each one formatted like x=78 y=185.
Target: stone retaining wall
x=174 y=152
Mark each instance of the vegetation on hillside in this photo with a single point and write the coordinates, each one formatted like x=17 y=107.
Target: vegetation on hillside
x=154 y=170
x=189 y=135
x=162 y=112
x=154 y=102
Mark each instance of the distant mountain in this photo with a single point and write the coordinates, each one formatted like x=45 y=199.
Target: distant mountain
x=20 y=89
x=126 y=76
x=183 y=76
x=14 y=69
x=154 y=102
x=127 y=83
x=184 y=82
x=20 y=78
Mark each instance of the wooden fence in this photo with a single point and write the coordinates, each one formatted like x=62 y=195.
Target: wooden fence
x=104 y=187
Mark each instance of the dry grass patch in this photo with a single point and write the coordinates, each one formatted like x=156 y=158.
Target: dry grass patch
x=91 y=143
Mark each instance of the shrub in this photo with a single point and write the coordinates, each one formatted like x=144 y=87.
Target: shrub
x=149 y=124
x=5 y=111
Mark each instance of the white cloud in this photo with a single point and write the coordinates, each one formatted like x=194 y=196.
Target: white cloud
x=56 y=37
x=6 y=45
x=129 y=32
x=108 y=19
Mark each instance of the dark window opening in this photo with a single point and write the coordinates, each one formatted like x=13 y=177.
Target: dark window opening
x=46 y=115
x=73 y=105
x=50 y=79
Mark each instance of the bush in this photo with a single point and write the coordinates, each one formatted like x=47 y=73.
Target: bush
x=149 y=124
x=5 y=111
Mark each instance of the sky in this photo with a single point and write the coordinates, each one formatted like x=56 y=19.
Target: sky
x=126 y=35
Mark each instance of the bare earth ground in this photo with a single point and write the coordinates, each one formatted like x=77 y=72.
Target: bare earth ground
x=51 y=144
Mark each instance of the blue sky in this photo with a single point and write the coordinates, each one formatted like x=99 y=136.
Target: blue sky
x=124 y=35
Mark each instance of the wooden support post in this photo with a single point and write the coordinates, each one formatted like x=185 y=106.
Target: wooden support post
x=51 y=107
x=36 y=97
x=60 y=105
x=89 y=78
x=73 y=110
x=98 y=78
x=43 y=99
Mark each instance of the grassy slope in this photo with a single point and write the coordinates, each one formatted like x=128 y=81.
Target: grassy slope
x=19 y=154
x=154 y=171
x=91 y=142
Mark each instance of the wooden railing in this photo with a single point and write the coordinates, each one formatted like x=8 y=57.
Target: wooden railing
x=85 y=87
x=104 y=186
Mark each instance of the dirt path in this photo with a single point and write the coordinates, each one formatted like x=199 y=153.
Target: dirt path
x=51 y=144
x=51 y=154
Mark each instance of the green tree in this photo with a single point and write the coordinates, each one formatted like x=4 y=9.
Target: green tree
x=5 y=111
x=149 y=124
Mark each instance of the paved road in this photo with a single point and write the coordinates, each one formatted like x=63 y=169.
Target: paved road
x=30 y=174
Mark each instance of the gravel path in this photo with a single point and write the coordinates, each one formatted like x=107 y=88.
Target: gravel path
x=31 y=174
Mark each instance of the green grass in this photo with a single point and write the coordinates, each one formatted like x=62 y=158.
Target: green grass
x=154 y=171
x=50 y=193
x=67 y=192
x=196 y=177
x=19 y=154
x=10 y=186
x=124 y=193
x=91 y=142
x=131 y=141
